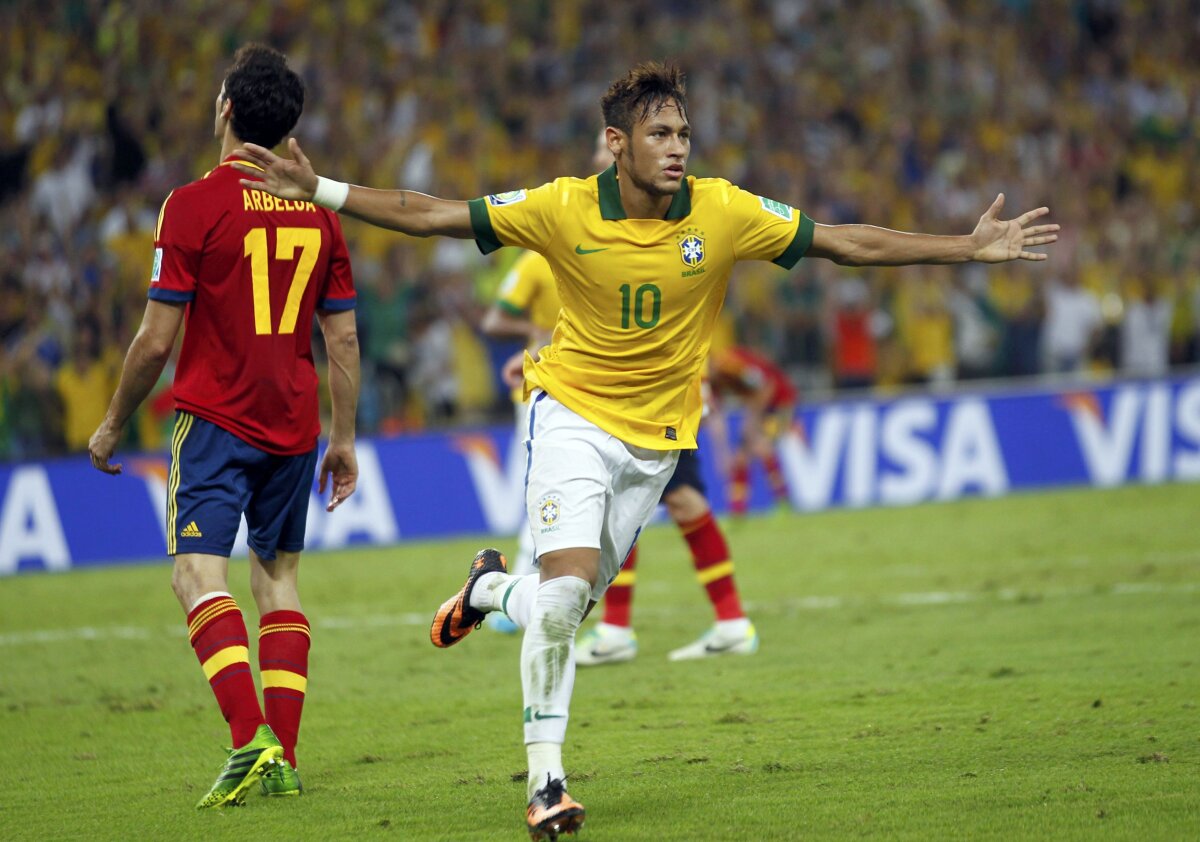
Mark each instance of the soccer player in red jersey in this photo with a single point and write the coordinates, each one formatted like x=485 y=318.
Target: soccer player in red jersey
x=246 y=273
x=769 y=400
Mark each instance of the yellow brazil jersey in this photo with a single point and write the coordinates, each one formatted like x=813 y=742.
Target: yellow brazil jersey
x=640 y=297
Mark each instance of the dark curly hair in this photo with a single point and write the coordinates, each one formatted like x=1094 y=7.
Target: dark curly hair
x=267 y=95
x=642 y=91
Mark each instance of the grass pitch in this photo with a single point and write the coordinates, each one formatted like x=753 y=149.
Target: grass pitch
x=1026 y=668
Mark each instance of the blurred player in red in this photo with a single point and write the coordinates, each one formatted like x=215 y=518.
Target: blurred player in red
x=246 y=272
x=769 y=400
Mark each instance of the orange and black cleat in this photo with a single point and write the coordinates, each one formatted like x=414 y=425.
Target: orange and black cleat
x=551 y=812
x=456 y=618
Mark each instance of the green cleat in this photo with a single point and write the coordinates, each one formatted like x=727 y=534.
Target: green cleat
x=243 y=768
x=281 y=779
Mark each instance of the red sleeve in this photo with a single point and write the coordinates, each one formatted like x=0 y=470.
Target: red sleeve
x=178 y=244
x=338 y=293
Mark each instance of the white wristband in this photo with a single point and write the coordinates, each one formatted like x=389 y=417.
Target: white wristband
x=330 y=194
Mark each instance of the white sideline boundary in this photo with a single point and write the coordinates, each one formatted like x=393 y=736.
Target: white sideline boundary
x=927 y=599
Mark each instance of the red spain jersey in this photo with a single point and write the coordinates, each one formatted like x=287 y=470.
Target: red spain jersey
x=252 y=270
x=743 y=372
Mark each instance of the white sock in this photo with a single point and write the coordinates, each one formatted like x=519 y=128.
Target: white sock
x=513 y=595
x=545 y=759
x=548 y=658
x=740 y=625
x=517 y=597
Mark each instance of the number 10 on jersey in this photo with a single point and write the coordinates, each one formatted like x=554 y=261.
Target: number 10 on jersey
x=637 y=302
x=287 y=240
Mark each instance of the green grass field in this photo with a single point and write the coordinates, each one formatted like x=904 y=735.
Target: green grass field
x=1026 y=668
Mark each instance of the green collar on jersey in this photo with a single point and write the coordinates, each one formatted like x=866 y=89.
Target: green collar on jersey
x=610 y=198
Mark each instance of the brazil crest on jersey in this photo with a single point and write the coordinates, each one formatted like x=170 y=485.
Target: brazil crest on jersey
x=252 y=270
x=639 y=296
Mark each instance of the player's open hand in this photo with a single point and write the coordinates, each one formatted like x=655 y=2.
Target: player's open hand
x=341 y=464
x=288 y=178
x=512 y=373
x=101 y=446
x=999 y=240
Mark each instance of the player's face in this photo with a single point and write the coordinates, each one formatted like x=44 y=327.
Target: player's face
x=655 y=156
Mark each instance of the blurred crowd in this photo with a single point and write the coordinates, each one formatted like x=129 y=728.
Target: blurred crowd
x=911 y=114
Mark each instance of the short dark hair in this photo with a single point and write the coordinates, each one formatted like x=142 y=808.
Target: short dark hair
x=267 y=95
x=642 y=91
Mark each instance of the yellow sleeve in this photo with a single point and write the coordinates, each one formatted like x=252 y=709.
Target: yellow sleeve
x=764 y=229
x=524 y=218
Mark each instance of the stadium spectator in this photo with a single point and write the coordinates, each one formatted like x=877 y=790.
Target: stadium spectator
x=857 y=325
x=884 y=111
x=1146 y=330
x=592 y=484
x=85 y=382
x=1072 y=326
x=245 y=440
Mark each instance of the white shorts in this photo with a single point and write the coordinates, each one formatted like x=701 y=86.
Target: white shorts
x=586 y=488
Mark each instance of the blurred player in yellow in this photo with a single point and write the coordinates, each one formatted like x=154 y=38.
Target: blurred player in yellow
x=641 y=254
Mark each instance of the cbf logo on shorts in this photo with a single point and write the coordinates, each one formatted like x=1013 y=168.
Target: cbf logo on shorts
x=549 y=511
x=498 y=200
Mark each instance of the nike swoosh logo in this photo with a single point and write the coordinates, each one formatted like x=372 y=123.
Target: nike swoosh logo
x=548 y=716
x=579 y=249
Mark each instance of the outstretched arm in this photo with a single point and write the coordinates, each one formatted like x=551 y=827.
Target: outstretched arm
x=399 y=210
x=994 y=240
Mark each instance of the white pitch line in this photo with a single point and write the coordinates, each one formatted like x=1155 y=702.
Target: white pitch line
x=805 y=603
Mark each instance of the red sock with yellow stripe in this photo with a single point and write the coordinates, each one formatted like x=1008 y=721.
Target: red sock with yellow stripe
x=218 y=634
x=618 y=599
x=739 y=487
x=283 y=643
x=714 y=569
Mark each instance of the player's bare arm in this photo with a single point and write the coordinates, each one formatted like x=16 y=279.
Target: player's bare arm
x=406 y=211
x=340 y=462
x=994 y=240
x=498 y=323
x=148 y=354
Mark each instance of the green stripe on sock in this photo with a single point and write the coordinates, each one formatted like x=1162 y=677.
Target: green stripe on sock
x=504 y=602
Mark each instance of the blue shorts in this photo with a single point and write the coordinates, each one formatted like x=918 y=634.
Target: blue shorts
x=687 y=472
x=215 y=477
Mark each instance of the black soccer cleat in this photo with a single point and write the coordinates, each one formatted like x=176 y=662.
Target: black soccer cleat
x=456 y=618
x=552 y=811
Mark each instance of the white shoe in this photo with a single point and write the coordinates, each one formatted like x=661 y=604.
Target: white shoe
x=605 y=644
x=727 y=637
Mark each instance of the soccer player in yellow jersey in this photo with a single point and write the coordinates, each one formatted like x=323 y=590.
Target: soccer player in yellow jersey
x=527 y=308
x=642 y=253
